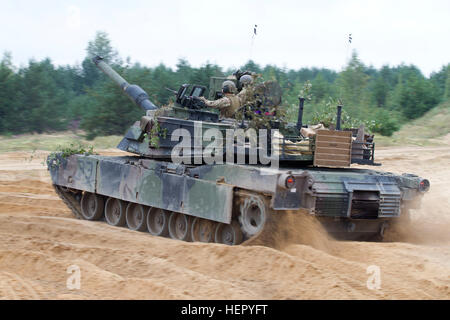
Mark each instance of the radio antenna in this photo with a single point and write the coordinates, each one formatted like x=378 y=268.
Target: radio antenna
x=253 y=40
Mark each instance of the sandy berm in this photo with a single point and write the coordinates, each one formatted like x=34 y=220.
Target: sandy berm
x=40 y=240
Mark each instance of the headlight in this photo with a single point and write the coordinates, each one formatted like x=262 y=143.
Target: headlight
x=286 y=181
x=290 y=182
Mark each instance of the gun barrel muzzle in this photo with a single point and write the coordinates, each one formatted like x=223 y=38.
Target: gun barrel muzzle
x=121 y=82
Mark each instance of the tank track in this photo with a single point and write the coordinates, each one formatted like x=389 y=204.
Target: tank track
x=270 y=234
x=72 y=200
x=69 y=199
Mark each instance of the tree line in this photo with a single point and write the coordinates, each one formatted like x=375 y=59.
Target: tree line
x=42 y=97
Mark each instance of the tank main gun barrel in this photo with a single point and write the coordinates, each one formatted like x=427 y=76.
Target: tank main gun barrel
x=134 y=92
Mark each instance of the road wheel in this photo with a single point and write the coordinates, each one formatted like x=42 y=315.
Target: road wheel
x=203 y=230
x=136 y=217
x=158 y=222
x=92 y=206
x=253 y=215
x=179 y=226
x=230 y=234
x=115 y=212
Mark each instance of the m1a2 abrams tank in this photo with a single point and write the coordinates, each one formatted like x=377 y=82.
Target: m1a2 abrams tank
x=230 y=202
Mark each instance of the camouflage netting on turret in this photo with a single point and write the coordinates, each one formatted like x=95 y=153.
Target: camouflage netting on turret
x=161 y=112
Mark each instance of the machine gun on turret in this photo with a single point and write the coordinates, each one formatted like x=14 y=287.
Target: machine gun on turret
x=190 y=100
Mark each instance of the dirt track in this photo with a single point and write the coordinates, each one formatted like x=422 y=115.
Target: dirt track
x=39 y=240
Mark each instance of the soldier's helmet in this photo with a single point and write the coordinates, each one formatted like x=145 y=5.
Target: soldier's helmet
x=228 y=86
x=246 y=80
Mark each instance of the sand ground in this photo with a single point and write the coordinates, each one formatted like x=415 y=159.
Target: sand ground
x=40 y=240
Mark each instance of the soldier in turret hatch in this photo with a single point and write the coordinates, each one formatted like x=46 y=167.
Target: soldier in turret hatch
x=231 y=102
x=247 y=93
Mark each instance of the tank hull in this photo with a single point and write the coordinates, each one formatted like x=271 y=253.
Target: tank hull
x=346 y=201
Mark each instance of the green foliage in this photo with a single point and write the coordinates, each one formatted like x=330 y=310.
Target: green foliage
x=352 y=82
x=380 y=90
x=305 y=92
x=109 y=112
x=155 y=134
x=8 y=87
x=55 y=158
x=385 y=123
x=413 y=95
x=326 y=114
x=320 y=88
x=41 y=97
x=101 y=46
x=430 y=129
x=75 y=148
x=447 y=84
x=441 y=81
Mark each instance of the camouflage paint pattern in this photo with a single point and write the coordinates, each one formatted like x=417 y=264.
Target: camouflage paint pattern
x=208 y=191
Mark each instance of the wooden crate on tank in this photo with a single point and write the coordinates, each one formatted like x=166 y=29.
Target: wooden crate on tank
x=333 y=149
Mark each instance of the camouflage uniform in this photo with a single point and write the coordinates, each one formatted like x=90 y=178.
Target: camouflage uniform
x=230 y=103
x=246 y=95
x=227 y=105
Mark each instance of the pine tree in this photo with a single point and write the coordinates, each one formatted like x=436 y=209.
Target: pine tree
x=320 y=88
x=414 y=95
x=43 y=100
x=352 y=82
x=447 y=84
x=110 y=112
x=380 y=91
x=101 y=46
x=8 y=91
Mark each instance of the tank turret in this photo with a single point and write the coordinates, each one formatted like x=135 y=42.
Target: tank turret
x=153 y=136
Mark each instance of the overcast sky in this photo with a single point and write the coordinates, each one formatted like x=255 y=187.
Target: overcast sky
x=290 y=34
